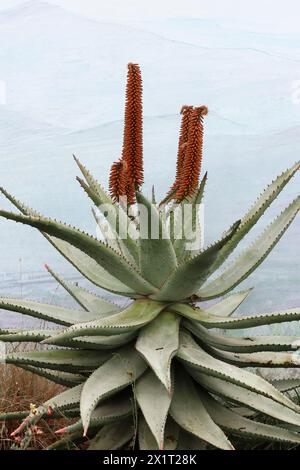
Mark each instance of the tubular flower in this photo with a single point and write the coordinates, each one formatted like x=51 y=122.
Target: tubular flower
x=133 y=135
x=182 y=144
x=117 y=180
x=193 y=154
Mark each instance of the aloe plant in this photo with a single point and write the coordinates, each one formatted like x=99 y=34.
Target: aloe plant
x=158 y=369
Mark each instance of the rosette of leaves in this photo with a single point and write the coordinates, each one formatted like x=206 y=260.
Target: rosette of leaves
x=164 y=372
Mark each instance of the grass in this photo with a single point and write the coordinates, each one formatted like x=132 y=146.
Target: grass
x=20 y=389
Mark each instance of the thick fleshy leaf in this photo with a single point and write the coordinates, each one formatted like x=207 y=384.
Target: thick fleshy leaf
x=158 y=343
x=259 y=359
x=86 y=265
x=81 y=342
x=120 y=371
x=89 y=268
x=188 y=411
x=189 y=442
x=113 y=409
x=66 y=379
x=101 y=342
x=245 y=427
x=134 y=317
x=186 y=229
x=156 y=253
x=257 y=210
x=146 y=439
x=285 y=385
x=113 y=212
x=150 y=390
x=228 y=306
x=52 y=313
x=244 y=344
x=191 y=274
x=246 y=321
x=89 y=301
x=246 y=397
x=21 y=336
x=67 y=399
x=253 y=256
x=194 y=356
x=113 y=435
x=105 y=256
x=65 y=360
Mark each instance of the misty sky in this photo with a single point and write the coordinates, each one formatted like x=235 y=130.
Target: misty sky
x=264 y=15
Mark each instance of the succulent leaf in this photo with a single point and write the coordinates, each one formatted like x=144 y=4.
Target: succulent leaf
x=132 y=318
x=156 y=253
x=252 y=257
x=106 y=257
x=65 y=360
x=89 y=301
x=120 y=371
x=158 y=343
x=232 y=422
x=113 y=435
x=246 y=397
x=191 y=274
x=148 y=390
x=191 y=354
x=189 y=412
x=52 y=313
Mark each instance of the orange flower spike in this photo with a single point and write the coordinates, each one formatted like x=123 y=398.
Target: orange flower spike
x=182 y=144
x=133 y=129
x=117 y=180
x=193 y=157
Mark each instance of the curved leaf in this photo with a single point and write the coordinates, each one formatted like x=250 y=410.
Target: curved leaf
x=52 y=313
x=253 y=256
x=257 y=210
x=113 y=435
x=244 y=344
x=86 y=265
x=134 y=317
x=188 y=411
x=149 y=390
x=251 y=399
x=113 y=409
x=156 y=253
x=158 y=342
x=259 y=359
x=244 y=427
x=117 y=373
x=89 y=301
x=191 y=274
x=247 y=321
x=186 y=221
x=115 y=216
x=194 y=356
x=105 y=256
x=227 y=306
x=64 y=360
x=66 y=379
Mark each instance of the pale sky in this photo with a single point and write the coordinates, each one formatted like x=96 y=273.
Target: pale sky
x=276 y=15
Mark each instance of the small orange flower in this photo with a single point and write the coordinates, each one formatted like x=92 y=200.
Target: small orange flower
x=182 y=145
x=117 y=180
x=133 y=129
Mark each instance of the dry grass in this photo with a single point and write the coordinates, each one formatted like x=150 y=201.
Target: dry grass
x=19 y=389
